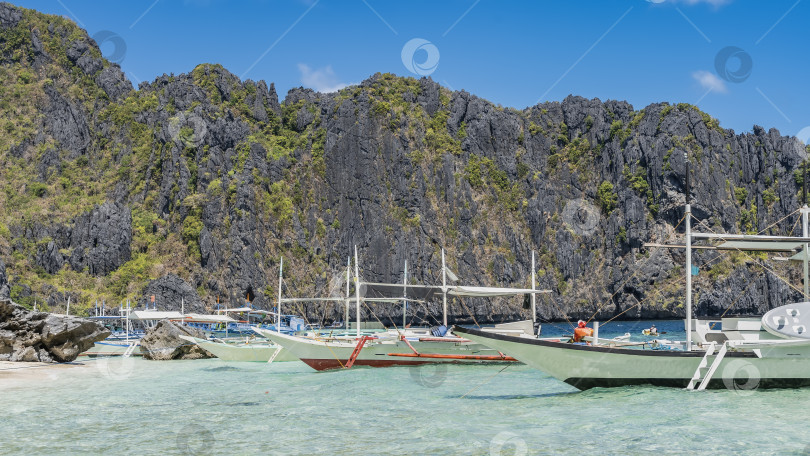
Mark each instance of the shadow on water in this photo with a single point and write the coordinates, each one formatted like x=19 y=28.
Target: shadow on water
x=507 y=397
x=221 y=369
x=243 y=404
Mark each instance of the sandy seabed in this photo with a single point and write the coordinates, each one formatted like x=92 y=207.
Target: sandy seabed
x=14 y=374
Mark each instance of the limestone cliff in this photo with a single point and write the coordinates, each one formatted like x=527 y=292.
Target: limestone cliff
x=212 y=179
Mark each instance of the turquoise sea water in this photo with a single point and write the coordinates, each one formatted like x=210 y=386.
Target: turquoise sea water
x=132 y=406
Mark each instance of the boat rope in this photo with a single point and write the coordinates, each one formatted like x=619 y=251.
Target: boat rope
x=461 y=300
x=756 y=261
x=565 y=315
x=325 y=342
x=551 y=323
x=334 y=354
x=739 y=295
x=427 y=313
x=300 y=308
x=485 y=381
x=781 y=220
x=323 y=314
x=642 y=301
x=637 y=269
x=663 y=287
x=378 y=318
x=661 y=290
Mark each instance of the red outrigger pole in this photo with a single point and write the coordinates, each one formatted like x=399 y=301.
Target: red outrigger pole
x=356 y=351
x=416 y=354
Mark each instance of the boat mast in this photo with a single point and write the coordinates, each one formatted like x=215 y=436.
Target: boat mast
x=278 y=307
x=405 y=296
x=348 y=296
x=444 y=291
x=805 y=211
x=534 y=303
x=688 y=216
x=357 y=289
x=127 y=323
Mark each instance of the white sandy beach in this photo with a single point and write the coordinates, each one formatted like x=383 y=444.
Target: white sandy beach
x=19 y=373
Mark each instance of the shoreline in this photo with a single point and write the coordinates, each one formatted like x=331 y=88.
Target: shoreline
x=13 y=373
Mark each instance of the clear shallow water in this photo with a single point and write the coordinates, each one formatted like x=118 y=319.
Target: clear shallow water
x=668 y=329
x=133 y=406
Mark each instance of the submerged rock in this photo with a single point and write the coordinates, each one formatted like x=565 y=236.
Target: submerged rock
x=41 y=336
x=163 y=342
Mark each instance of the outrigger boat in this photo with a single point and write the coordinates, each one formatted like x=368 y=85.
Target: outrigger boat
x=126 y=331
x=398 y=347
x=745 y=353
x=244 y=350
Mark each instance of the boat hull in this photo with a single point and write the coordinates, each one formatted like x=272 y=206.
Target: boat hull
x=327 y=355
x=585 y=367
x=109 y=348
x=258 y=353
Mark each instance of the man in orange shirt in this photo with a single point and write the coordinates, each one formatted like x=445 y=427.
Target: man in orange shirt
x=582 y=331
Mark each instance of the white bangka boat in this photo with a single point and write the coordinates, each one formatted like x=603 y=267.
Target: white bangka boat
x=243 y=350
x=401 y=346
x=746 y=353
x=125 y=335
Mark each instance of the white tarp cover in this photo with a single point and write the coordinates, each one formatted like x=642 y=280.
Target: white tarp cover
x=426 y=292
x=313 y=299
x=490 y=292
x=155 y=315
x=762 y=246
x=209 y=318
x=799 y=256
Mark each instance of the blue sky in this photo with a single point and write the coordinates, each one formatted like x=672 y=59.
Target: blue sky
x=744 y=62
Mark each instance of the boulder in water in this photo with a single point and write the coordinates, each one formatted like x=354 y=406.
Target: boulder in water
x=42 y=336
x=163 y=342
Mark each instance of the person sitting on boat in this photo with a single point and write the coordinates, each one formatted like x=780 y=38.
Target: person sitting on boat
x=653 y=330
x=582 y=330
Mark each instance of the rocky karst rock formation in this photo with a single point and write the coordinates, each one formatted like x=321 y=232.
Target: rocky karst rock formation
x=40 y=336
x=216 y=180
x=163 y=343
x=98 y=241
x=172 y=293
x=4 y=290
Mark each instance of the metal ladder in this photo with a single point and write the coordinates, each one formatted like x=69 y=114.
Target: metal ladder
x=275 y=354
x=702 y=381
x=356 y=351
x=130 y=349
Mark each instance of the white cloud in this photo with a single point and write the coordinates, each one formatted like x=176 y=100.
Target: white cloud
x=710 y=81
x=321 y=79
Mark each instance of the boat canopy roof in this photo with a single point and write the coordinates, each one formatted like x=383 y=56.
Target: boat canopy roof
x=208 y=318
x=426 y=292
x=799 y=256
x=398 y=290
x=490 y=291
x=764 y=246
x=155 y=315
x=313 y=299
